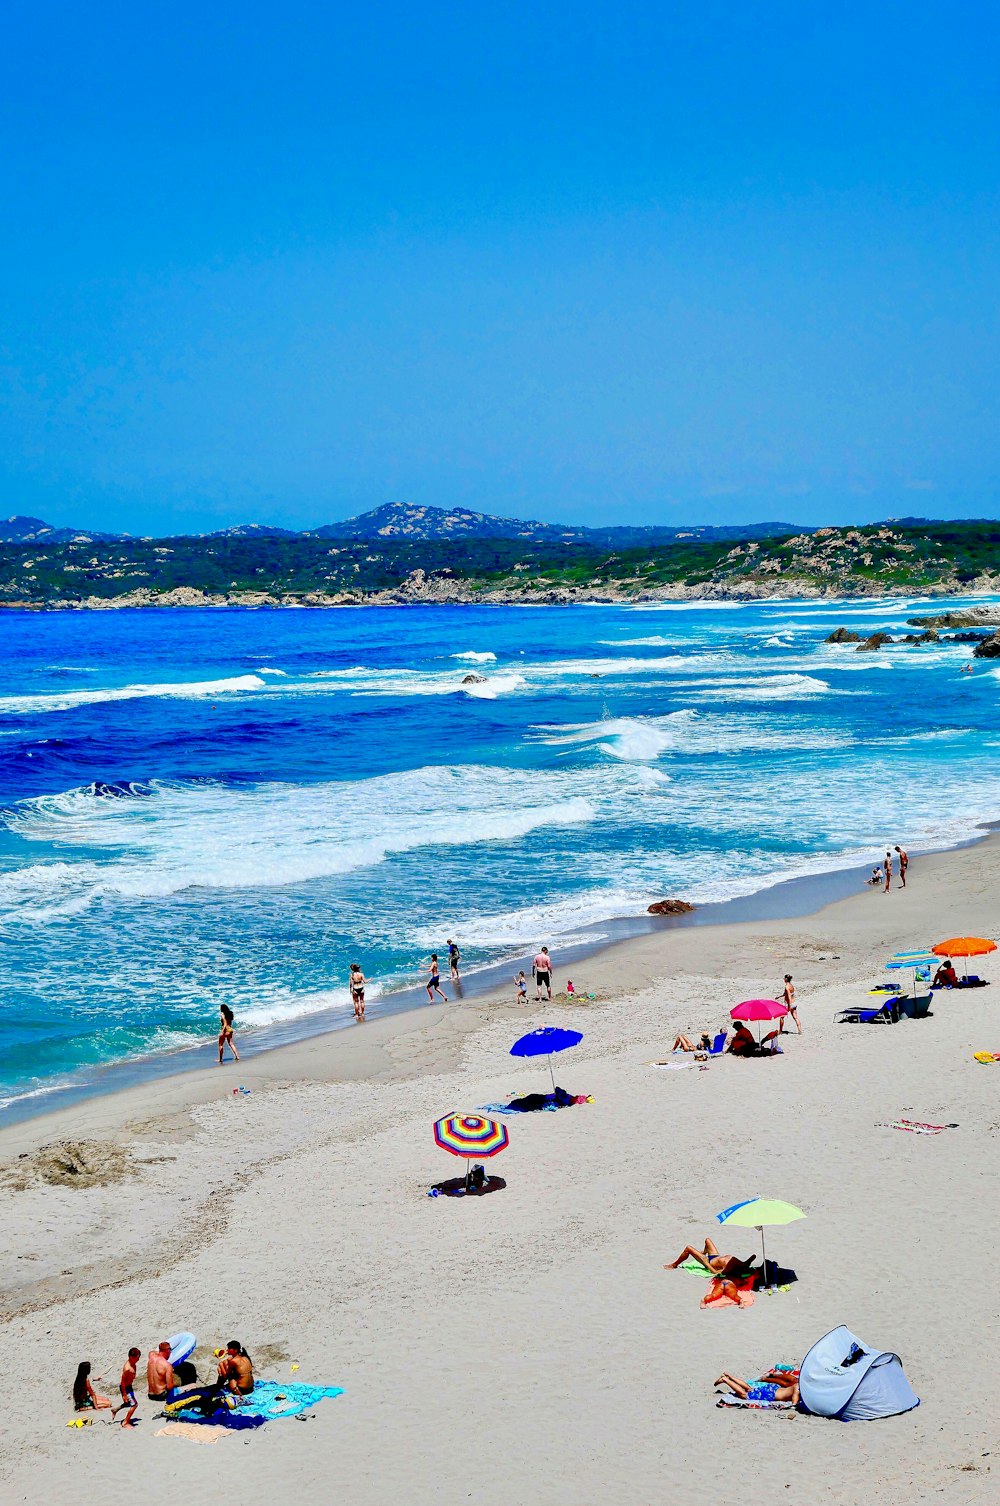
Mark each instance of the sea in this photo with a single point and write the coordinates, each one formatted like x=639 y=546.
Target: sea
x=231 y=806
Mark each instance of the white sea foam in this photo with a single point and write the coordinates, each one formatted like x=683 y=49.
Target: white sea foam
x=28 y=705
x=404 y=682
x=657 y=640
x=215 y=836
x=282 y=672
x=690 y=732
x=765 y=688
x=475 y=658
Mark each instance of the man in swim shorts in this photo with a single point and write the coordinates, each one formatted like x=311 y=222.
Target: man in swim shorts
x=904 y=863
x=160 y=1377
x=542 y=969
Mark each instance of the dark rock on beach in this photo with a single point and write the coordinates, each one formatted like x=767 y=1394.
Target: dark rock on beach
x=843 y=635
x=875 y=642
x=670 y=907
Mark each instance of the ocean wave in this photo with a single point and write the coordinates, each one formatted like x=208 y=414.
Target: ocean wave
x=29 y=705
x=689 y=732
x=473 y=657
x=765 y=688
x=360 y=680
x=214 y=836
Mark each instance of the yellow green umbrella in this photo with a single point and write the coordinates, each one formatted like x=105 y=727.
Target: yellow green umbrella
x=758 y=1212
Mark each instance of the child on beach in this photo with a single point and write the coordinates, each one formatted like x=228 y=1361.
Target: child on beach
x=569 y=986
x=433 y=984
x=521 y=984
x=126 y=1385
x=84 y=1395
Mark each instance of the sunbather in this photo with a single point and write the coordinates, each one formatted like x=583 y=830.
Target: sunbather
x=775 y=1385
x=715 y=1263
x=685 y=1043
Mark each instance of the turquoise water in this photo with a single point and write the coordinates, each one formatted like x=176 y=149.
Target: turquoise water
x=207 y=806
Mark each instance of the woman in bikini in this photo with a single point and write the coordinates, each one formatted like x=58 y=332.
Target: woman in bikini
x=226 y=1032
x=358 y=991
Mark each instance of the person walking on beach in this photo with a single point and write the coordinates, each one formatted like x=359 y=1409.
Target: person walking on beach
x=541 y=967
x=358 y=991
x=454 y=957
x=433 y=984
x=126 y=1386
x=226 y=1032
x=521 y=984
x=788 y=999
x=887 y=871
x=904 y=863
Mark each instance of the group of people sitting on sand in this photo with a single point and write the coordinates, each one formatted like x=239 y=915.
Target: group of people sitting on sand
x=743 y=1043
x=165 y=1381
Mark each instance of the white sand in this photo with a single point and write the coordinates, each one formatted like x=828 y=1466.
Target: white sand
x=528 y=1347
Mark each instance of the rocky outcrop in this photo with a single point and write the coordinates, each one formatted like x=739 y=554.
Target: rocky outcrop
x=874 y=643
x=929 y=637
x=975 y=617
x=473 y=679
x=670 y=907
x=989 y=648
x=843 y=635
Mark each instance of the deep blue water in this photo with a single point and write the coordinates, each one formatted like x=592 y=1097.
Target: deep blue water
x=206 y=806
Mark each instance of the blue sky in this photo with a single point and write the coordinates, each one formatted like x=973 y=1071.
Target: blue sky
x=631 y=262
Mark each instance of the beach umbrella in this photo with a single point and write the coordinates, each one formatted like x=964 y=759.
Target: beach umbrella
x=964 y=946
x=470 y=1135
x=760 y=1213
x=544 y=1041
x=759 y=1009
x=912 y=961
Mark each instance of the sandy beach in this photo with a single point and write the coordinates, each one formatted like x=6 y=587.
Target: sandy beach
x=530 y=1344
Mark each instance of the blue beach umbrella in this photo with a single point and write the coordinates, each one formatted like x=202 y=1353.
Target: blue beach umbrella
x=917 y=962
x=544 y=1041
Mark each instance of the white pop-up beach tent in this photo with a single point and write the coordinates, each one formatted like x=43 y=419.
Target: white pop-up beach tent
x=843 y=1378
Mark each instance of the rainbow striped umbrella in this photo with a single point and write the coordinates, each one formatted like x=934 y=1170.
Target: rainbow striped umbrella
x=470 y=1135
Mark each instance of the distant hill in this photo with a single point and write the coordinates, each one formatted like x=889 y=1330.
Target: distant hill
x=403 y=520
x=23 y=530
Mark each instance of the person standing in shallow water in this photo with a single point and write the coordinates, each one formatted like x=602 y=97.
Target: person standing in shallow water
x=454 y=958
x=226 y=1032
x=887 y=870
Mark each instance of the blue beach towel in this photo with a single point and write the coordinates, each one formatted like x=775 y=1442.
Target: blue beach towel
x=272 y=1399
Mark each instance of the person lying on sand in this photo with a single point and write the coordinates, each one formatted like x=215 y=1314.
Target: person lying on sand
x=236 y=1369
x=685 y=1043
x=775 y=1385
x=715 y=1263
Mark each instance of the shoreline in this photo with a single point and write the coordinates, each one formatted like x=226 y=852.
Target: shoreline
x=266 y=1050
x=297 y=1217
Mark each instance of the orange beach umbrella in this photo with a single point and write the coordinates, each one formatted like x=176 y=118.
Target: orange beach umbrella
x=964 y=946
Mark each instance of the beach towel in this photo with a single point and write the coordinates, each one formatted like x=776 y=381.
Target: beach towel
x=986 y=1057
x=272 y=1399
x=716 y=1296
x=536 y=1103
x=695 y=1267
x=671 y=1066
x=915 y=1127
x=193 y=1431
x=755 y=1406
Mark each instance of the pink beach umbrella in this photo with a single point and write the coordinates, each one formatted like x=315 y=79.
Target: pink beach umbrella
x=759 y=1009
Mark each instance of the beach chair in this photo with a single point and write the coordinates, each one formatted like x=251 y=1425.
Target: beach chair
x=718 y=1046
x=857 y=1014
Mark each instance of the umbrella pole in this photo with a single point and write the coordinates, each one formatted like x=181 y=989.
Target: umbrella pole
x=468 y=1173
x=763 y=1256
x=551 y=1073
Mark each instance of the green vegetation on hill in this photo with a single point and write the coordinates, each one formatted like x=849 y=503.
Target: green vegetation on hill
x=910 y=556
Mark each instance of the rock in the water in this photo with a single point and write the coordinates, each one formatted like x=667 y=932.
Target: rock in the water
x=670 y=907
x=989 y=648
x=473 y=679
x=843 y=635
x=929 y=637
x=873 y=643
